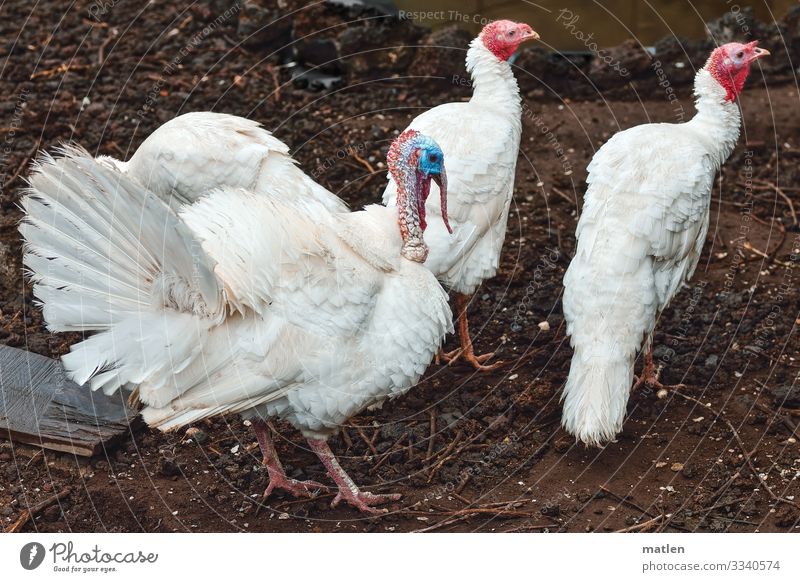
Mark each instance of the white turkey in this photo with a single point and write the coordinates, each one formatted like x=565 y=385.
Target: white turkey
x=640 y=234
x=480 y=139
x=241 y=302
x=196 y=152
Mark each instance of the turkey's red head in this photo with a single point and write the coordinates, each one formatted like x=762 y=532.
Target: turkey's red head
x=502 y=37
x=730 y=65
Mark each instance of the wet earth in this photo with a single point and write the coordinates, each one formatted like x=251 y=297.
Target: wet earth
x=469 y=451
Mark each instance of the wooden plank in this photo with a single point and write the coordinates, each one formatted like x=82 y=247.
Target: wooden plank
x=39 y=405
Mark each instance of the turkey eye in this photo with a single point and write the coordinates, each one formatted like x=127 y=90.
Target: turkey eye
x=739 y=55
x=512 y=33
x=433 y=157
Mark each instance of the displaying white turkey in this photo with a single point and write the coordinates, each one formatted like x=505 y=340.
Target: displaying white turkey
x=640 y=234
x=244 y=303
x=480 y=139
x=196 y=152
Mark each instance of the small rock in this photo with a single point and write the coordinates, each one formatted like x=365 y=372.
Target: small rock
x=619 y=64
x=168 y=467
x=544 y=326
x=677 y=467
x=322 y=53
x=563 y=444
x=262 y=28
x=52 y=513
x=712 y=361
x=197 y=435
x=551 y=509
x=787 y=395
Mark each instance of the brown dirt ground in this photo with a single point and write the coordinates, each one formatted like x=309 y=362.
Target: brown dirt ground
x=733 y=332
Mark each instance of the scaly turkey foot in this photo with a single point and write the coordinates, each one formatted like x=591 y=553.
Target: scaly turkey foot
x=650 y=376
x=348 y=490
x=364 y=500
x=469 y=356
x=279 y=480
x=466 y=352
x=277 y=475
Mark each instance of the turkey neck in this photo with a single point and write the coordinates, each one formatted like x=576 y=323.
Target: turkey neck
x=717 y=120
x=412 y=191
x=493 y=82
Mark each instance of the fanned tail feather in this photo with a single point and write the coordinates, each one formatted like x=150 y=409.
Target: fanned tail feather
x=106 y=255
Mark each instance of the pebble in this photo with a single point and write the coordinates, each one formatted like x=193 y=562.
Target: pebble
x=52 y=513
x=168 y=467
x=197 y=435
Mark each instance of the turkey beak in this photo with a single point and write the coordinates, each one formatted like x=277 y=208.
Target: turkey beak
x=758 y=53
x=441 y=181
x=527 y=33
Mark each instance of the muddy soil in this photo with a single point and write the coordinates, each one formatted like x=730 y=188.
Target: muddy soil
x=469 y=451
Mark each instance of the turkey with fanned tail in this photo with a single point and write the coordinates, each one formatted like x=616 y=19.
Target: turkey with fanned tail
x=241 y=302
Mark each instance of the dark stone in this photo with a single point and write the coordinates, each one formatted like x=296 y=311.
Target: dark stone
x=736 y=26
x=680 y=58
x=619 y=65
x=52 y=513
x=168 y=467
x=197 y=435
x=563 y=444
x=321 y=53
x=442 y=58
x=377 y=50
x=261 y=27
x=538 y=69
x=787 y=395
x=551 y=508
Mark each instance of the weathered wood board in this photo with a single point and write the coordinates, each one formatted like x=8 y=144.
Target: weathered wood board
x=39 y=405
